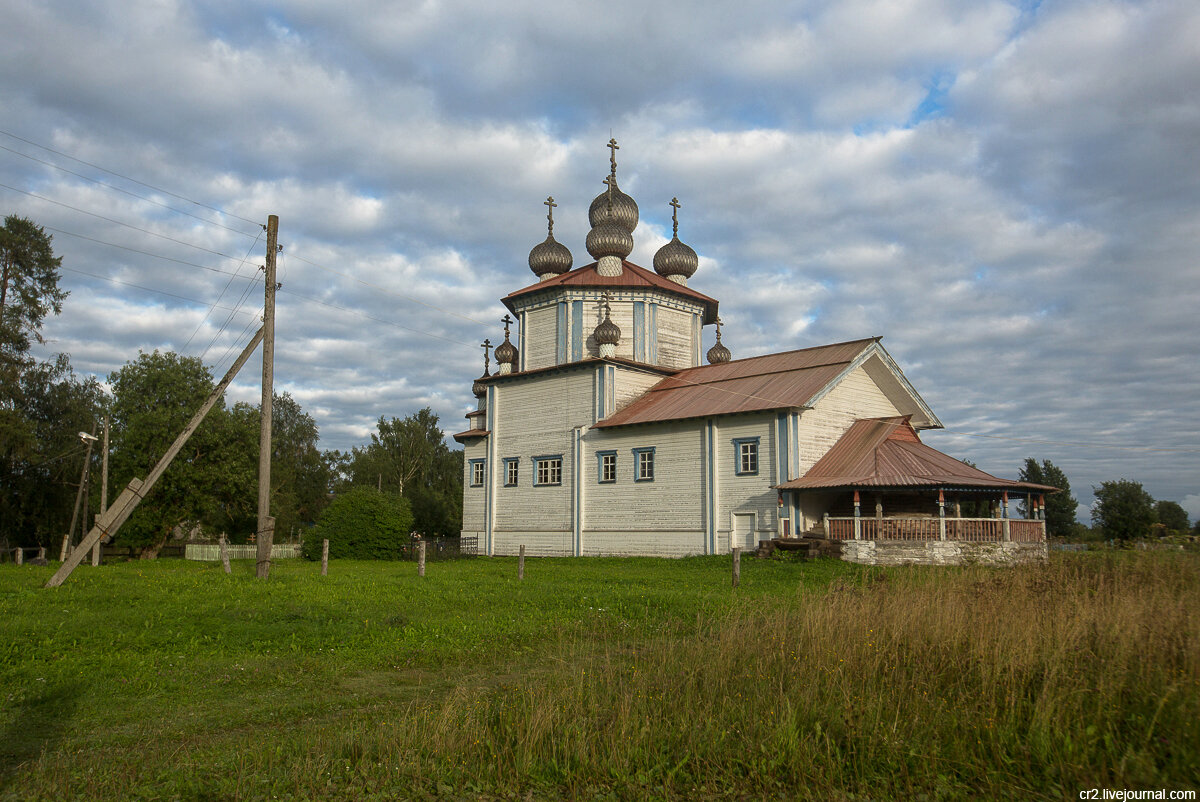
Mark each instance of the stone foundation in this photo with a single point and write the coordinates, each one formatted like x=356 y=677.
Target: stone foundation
x=940 y=552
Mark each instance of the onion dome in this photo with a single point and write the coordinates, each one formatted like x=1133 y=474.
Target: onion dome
x=624 y=208
x=506 y=352
x=551 y=257
x=718 y=353
x=675 y=260
x=609 y=238
x=607 y=333
x=479 y=388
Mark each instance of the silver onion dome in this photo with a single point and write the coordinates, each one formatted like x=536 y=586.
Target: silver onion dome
x=607 y=333
x=479 y=388
x=718 y=353
x=550 y=257
x=624 y=208
x=676 y=258
x=609 y=238
x=506 y=352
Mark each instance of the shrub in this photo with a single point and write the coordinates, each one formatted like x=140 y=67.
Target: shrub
x=362 y=524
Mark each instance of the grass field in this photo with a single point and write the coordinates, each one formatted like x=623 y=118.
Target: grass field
x=601 y=679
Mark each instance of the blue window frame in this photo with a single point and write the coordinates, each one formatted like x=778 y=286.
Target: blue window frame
x=547 y=470
x=512 y=471
x=477 y=469
x=606 y=467
x=643 y=464
x=745 y=456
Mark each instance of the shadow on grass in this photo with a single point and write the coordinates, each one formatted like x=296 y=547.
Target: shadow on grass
x=35 y=725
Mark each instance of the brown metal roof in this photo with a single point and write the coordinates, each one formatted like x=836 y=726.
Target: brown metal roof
x=774 y=381
x=469 y=433
x=887 y=452
x=633 y=276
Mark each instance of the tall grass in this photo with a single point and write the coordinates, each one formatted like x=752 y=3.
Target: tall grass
x=615 y=679
x=974 y=683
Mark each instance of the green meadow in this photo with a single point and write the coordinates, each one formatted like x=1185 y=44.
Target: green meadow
x=601 y=679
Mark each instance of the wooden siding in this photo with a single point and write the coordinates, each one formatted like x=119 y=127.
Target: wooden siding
x=540 y=338
x=676 y=346
x=535 y=418
x=747 y=494
x=856 y=396
x=631 y=384
x=473 y=497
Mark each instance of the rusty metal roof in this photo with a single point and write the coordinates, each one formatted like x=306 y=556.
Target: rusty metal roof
x=887 y=452
x=469 y=433
x=632 y=276
x=775 y=381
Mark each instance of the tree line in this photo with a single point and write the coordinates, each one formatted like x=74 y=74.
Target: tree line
x=1123 y=511
x=211 y=487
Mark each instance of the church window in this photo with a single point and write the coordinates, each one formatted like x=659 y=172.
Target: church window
x=746 y=456
x=547 y=470
x=511 y=471
x=477 y=473
x=643 y=461
x=607 y=466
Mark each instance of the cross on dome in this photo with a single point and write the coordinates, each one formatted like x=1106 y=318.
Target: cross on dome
x=550 y=204
x=675 y=216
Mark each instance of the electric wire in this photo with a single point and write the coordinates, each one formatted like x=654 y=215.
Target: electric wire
x=222 y=294
x=140 y=287
x=127 y=178
x=1154 y=449
x=126 y=192
x=118 y=222
x=147 y=253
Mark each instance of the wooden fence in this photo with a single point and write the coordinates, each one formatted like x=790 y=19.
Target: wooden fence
x=970 y=530
x=211 y=552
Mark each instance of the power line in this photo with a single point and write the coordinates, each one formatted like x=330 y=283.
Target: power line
x=117 y=222
x=125 y=191
x=148 y=253
x=140 y=287
x=376 y=319
x=1077 y=444
x=222 y=295
x=127 y=178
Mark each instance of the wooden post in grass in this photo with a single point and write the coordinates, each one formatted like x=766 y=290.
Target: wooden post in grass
x=737 y=565
x=325 y=557
x=521 y=563
x=20 y=555
x=224 y=554
x=420 y=558
x=41 y=552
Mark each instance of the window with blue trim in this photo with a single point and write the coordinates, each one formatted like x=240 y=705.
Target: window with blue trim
x=606 y=467
x=511 y=471
x=745 y=456
x=477 y=472
x=547 y=470
x=643 y=464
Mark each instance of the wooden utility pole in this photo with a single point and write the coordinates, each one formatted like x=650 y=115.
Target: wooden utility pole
x=137 y=489
x=80 y=496
x=266 y=524
x=103 y=491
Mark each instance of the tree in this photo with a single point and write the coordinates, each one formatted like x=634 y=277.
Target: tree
x=212 y=481
x=1123 y=510
x=40 y=452
x=410 y=456
x=28 y=290
x=1061 y=506
x=1172 y=516
x=362 y=524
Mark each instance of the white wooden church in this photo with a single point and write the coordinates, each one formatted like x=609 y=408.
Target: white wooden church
x=609 y=429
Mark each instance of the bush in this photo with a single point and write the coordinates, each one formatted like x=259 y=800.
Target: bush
x=362 y=524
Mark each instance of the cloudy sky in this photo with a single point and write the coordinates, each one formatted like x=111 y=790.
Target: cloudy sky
x=1007 y=192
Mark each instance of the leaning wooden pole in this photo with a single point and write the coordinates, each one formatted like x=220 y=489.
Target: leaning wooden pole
x=266 y=524
x=137 y=489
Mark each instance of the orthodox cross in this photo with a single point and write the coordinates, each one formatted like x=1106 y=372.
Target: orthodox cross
x=607 y=310
x=549 y=203
x=614 y=147
x=675 y=217
x=610 y=182
x=486 y=345
x=507 y=321
x=718 y=328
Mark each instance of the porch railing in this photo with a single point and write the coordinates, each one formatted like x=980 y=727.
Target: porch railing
x=971 y=530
